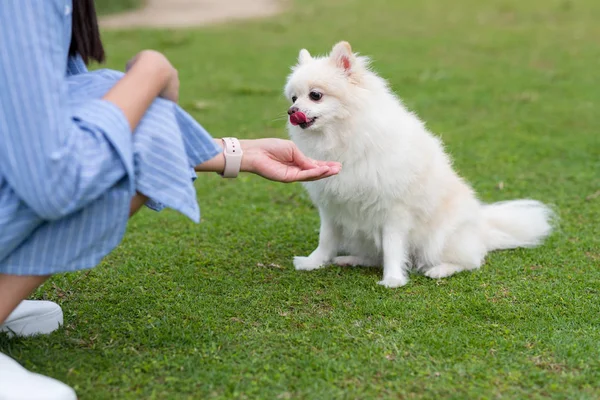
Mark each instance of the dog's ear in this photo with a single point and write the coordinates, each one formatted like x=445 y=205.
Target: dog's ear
x=304 y=56
x=342 y=56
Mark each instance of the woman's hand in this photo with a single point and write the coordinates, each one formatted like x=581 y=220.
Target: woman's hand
x=156 y=59
x=280 y=160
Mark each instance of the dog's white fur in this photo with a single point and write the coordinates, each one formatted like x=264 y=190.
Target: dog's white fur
x=397 y=201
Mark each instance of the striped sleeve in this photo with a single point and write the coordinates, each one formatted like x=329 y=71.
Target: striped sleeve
x=57 y=156
x=76 y=66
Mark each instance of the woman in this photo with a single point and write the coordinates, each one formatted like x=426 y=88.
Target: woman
x=81 y=151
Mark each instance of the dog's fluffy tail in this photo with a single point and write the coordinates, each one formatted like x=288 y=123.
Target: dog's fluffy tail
x=517 y=223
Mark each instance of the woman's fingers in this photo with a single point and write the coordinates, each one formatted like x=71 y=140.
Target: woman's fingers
x=328 y=163
x=316 y=173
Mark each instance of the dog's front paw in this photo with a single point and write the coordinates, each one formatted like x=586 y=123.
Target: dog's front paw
x=393 y=281
x=307 y=264
x=443 y=271
x=354 y=261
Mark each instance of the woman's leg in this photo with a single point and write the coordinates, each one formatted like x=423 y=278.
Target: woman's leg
x=16 y=288
x=136 y=203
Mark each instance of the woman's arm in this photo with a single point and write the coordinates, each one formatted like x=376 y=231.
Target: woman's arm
x=275 y=159
x=215 y=164
x=144 y=81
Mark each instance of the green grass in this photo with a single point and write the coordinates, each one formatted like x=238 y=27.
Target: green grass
x=105 y=7
x=216 y=310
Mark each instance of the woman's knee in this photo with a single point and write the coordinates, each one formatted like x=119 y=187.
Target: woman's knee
x=136 y=203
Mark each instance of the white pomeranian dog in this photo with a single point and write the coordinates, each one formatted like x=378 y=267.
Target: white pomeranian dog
x=397 y=201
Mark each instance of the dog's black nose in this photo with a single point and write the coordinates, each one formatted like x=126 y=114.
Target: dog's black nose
x=292 y=110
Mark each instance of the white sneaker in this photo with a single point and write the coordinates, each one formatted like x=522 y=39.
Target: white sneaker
x=16 y=383
x=33 y=317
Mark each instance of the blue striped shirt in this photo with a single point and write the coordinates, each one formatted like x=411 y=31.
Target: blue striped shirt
x=69 y=163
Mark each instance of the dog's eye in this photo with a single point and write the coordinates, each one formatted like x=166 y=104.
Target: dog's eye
x=294 y=98
x=316 y=96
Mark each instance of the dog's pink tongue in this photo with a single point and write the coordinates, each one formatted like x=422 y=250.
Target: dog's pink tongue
x=298 y=118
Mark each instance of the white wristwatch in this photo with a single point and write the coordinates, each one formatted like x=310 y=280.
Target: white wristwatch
x=232 y=150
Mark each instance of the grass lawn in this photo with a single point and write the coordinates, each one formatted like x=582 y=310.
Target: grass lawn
x=216 y=310
x=104 y=7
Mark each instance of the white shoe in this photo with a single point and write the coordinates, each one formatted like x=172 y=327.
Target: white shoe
x=16 y=383
x=33 y=317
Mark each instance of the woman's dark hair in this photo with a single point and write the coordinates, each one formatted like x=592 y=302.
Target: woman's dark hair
x=85 y=36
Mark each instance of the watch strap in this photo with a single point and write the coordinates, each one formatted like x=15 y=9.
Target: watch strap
x=232 y=151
